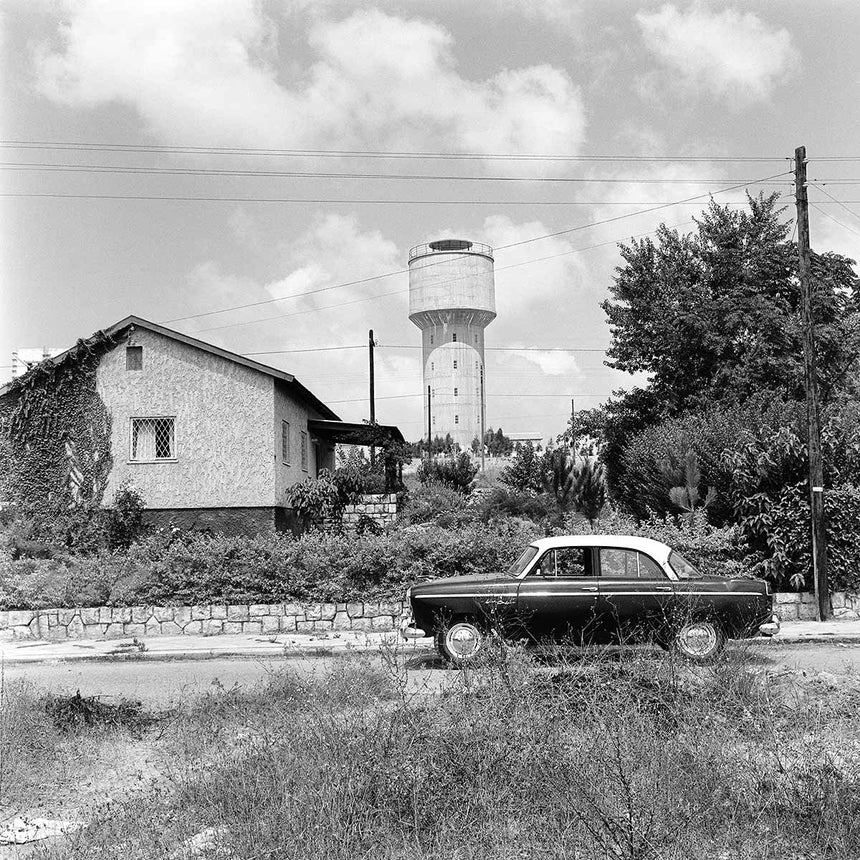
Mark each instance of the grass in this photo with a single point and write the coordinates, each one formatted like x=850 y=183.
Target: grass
x=634 y=757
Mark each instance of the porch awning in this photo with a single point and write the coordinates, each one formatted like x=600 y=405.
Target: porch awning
x=355 y=434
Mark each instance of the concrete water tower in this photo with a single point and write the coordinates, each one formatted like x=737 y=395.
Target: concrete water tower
x=452 y=299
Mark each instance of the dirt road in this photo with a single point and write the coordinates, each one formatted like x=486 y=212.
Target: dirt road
x=160 y=683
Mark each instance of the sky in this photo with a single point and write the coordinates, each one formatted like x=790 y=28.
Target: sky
x=254 y=173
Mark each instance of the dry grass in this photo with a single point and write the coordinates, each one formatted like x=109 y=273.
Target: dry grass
x=631 y=757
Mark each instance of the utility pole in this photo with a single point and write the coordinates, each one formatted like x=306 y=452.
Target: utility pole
x=429 y=425
x=370 y=345
x=813 y=421
x=483 y=418
x=573 y=428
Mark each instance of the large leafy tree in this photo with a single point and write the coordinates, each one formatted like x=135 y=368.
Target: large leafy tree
x=715 y=314
x=714 y=317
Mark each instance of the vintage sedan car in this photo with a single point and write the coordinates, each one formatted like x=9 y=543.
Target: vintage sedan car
x=592 y=589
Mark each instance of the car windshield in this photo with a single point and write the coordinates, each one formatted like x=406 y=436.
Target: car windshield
x=522 y=562
x=682 y=567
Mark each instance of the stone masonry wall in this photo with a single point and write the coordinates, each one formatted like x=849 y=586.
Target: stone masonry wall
x=381 y=508
x=803 y=606
x=115 y=622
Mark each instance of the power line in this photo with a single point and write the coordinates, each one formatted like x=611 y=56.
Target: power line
x=498 y=248
x=841 y=203
x=342 y=200
x=316 y=174
x=563 y=395
x=844 y=226
x=82 y=146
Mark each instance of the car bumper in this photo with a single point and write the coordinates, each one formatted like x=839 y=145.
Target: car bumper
x=408 y=629
x=769 y=628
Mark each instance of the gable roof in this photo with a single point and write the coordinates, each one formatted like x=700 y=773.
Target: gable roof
x=292 y=384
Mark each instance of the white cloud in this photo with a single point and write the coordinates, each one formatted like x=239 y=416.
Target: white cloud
x=553 y=363
x=733 y=55
x=204 y=71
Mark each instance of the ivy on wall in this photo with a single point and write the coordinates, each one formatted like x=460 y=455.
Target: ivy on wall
x=55 y=433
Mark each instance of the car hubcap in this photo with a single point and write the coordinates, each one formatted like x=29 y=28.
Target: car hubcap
x=698 y=639
x=463 y=640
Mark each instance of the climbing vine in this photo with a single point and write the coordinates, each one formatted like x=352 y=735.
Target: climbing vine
x=56 y=434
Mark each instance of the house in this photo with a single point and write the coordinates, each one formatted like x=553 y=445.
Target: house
x=212 y=439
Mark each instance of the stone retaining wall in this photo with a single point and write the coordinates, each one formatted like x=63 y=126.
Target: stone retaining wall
x=803 y=606
x=380 y=507
x=115 y=622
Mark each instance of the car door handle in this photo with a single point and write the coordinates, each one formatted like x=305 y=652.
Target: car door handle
x=664 y=588
x=589 y=588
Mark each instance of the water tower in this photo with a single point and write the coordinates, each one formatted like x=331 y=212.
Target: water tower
x=452 y=299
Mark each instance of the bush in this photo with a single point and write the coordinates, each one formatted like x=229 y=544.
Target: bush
x=433 y=502
x=500 y=503
x=457 y=471
x=124 y=521
x=319 y=566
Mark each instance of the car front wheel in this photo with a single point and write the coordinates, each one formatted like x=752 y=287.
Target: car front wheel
x=700 y=641
x=460 y=642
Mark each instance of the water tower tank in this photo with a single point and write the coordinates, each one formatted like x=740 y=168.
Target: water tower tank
x=452 y=299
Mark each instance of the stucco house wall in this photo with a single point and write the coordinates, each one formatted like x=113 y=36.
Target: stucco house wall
x=225 y=444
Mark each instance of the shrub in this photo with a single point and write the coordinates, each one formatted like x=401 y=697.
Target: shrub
x=456 y=471
x=500 y=503
x=124 y=521
x=525 y=471
x=434 y=502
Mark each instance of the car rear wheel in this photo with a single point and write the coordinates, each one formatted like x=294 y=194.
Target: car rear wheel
x=699 y=641
x=461 y=641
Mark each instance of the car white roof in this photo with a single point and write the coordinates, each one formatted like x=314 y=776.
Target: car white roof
x=657 y=550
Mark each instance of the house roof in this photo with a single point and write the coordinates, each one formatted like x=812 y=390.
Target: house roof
x=292 y=384
x=355 y=434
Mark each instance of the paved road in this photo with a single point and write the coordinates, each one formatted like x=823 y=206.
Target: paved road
x=159 y=683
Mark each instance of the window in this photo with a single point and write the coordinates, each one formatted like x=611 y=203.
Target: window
x=566 y=561
x=455 y=364
x=285 y=442
x=476 y=337
x=134 y=358
x=432 y=365
x=628 y=564
x=682 y=567
x=456 y=419
x=153 y=439
x=454 y=337
x=304 y=451
x=455 y=392
x=431 y=340
x=434 y=420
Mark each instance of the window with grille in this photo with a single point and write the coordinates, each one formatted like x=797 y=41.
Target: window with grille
x=304 y=451
x=454 y=337
x=153 y=439
x=456 y=419
x=134 y=358
x=455 y=392
x=455 y=364
x=285 y=442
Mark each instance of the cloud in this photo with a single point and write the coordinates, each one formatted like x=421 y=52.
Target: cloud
x=209 y=71
x=553 y=363
x=729 y=53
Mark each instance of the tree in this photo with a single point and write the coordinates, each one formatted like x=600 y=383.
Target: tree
x=715 y=316
x=589 y=488
x=558 y=478
x=525 y=471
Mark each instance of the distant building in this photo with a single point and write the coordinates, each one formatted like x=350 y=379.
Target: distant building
x=25 y=357
x=212 y=439
x=452 y=299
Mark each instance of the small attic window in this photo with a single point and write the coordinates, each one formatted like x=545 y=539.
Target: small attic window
x=134 y=358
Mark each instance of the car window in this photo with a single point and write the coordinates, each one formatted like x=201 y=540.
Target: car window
x=618 y=563
x=565 y=562
x=649 y=569
x=682 y=567
x=523 y=561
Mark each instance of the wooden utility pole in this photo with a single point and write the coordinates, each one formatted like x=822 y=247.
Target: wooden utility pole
x=813 y=421
x=370 y=345
x=483 y=419
x=573 y=427
x=429 y=423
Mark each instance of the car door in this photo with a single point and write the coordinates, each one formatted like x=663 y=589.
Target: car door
x=559 y=596
x=636 y=594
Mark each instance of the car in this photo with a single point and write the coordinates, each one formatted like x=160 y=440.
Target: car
x=592 y=589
